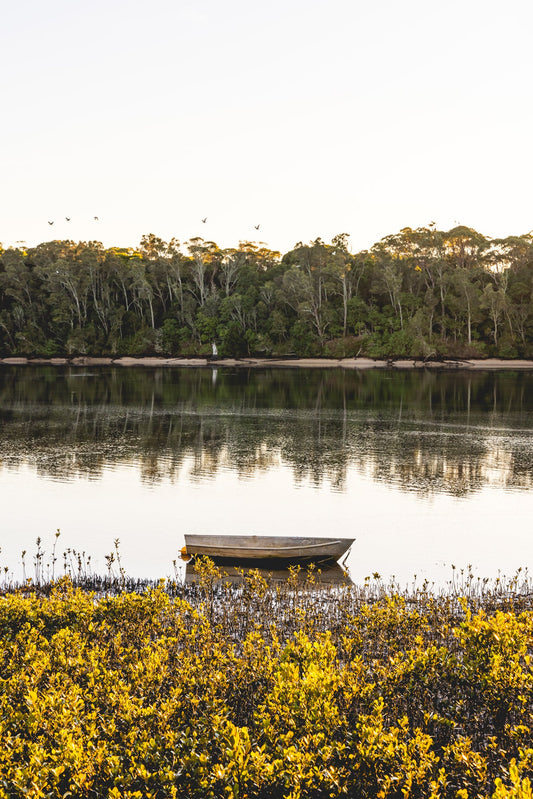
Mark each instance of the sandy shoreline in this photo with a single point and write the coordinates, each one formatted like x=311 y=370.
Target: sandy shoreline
x=269 y=363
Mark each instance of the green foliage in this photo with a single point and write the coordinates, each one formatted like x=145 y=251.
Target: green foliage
x=416 y=294
x=172 y=337
x=233 y=340
x=207 y=327
x=396 y=344
x=265 y=691
x=303 y=340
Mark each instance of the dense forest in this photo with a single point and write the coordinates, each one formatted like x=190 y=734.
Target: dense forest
x=421 y=293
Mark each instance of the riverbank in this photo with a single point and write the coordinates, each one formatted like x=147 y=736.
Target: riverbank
x=269 y=363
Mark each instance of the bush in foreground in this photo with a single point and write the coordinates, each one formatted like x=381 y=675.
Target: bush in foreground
x=265 y=690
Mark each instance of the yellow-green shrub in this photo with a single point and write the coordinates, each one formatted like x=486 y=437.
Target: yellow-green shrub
x=145 y=695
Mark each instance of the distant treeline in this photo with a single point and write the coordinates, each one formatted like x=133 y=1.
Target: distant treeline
x=421 y=293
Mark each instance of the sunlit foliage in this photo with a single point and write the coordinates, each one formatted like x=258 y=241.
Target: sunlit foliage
x=421 y=293
x=258 y=689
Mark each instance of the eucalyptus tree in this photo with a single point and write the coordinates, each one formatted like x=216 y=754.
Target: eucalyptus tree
x=119 y=263
x=68 y=283
x=309 y=284
x=256 y=253
x=426 y=249
x=167 y=270
x=234 y=309
x=465 y=247
x=176 y=269
x=388 y=277
x=347 y=271
x=99 y=272
x=518 y=252
x=510 y=267
x=466 y=292
x=7 y=331
x=493 y=300
x=17 y=278
x=466 y=257
x=164 y=264
x=34 y=315
x=152 y=247
x=154 y=251
x=426 y=271
x=205 y=262
x=230 y=266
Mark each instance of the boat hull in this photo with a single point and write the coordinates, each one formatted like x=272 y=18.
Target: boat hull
x=279 y=549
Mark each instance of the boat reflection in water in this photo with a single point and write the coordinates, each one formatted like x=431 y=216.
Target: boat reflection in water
x=276 y=558
x=327 y=575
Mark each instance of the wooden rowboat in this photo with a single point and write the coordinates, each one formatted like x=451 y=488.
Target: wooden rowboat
x=280 y=549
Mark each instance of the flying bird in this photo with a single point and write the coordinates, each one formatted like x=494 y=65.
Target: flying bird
x=256 y=227
x=50 y=223
x=67 y=218
x=204 y=219
x=95 y=218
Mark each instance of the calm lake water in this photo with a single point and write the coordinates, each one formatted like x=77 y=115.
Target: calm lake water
x=424 y=469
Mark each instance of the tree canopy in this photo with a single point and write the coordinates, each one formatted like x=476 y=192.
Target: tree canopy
x=418 y=293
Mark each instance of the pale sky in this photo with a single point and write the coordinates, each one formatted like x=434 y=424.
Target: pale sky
x=307 y=117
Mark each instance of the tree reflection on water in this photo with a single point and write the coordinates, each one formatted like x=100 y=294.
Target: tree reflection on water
x=423 y=431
